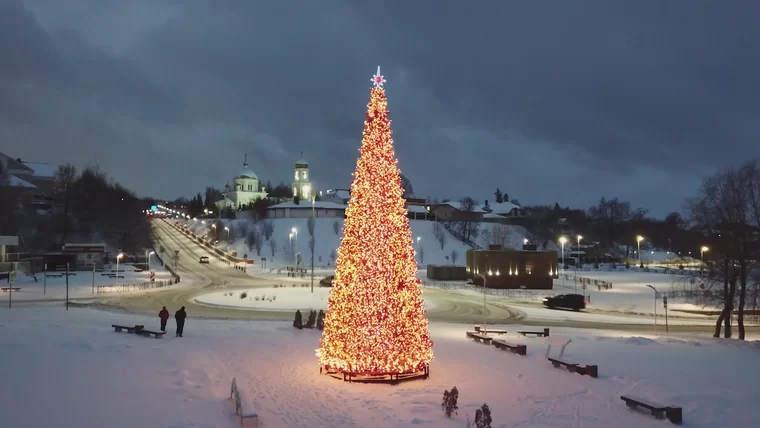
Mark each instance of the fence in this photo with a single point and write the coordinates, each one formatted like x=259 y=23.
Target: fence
x=503 y=292
x=125 y=288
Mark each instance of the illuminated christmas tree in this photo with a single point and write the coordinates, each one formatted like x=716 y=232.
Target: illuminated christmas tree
x=375 y=321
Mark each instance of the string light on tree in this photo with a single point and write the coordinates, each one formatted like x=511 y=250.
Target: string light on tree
x=375 y=322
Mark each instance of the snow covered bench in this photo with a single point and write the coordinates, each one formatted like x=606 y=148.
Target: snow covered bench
x=674 y=414
x=7 y=289
x=243 y=405
x=486 y=331
x=479 y=337
x=514 y=347
x=130 y=329
x=544 y=333
x=148 y=333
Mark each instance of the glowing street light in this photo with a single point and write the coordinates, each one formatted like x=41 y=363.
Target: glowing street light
x=118 y=257
x=562 y=241
x=639 y=238
x=702 y=252
x=228 y=232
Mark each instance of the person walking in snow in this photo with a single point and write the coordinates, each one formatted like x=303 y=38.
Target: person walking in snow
x=180 y=316
x=164 y=316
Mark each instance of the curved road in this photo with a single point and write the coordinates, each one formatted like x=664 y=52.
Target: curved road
x=449 y=306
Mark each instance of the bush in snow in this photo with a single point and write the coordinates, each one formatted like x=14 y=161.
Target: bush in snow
x=321 y=320
x=483 y=417
x=642 y=265
x=312 y=320
x=256 y=298
x=449 y=403
x=298 y=322
x=627 y=265
x=243 y=295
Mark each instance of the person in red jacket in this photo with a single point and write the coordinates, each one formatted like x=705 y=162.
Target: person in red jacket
x=164 y=316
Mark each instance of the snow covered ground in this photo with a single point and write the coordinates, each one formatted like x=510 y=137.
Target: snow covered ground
x=289 y=298
x=327 y=240
x=81 y=283
x=71 y=370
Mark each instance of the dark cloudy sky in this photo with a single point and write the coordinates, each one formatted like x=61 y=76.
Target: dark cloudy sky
x=561 y=101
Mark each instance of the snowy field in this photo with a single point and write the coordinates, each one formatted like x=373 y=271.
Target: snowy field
x=71 y=370
x=80 y=284
x=288 y=298
x=428 y=249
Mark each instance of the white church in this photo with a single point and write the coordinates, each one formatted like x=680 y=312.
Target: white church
x=246 y=187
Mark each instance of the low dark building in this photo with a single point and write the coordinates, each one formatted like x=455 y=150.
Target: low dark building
x=446 y=272
x=513 y=268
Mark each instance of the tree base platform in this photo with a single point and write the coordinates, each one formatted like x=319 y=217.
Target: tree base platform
x=391 y=378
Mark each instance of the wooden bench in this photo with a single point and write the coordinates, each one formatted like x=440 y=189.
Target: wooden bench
x=7 y=289
x=53 y=275
x=479 y=330
x=243 y=406
x=672 y=413
x=514 y=347
x=148 y=333
x=589 y=370
x=544 y=333
x=119 y=328
x=479 y=337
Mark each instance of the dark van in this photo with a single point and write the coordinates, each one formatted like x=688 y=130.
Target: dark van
x=575 y=302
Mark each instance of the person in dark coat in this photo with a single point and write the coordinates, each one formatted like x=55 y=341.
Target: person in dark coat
x=180 y=316
x=164 y=316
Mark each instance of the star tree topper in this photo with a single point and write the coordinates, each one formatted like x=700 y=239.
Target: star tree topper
x=378 y=79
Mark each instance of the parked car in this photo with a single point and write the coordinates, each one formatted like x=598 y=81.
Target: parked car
x=326 y=281
x=575 y=302
x=204 y=259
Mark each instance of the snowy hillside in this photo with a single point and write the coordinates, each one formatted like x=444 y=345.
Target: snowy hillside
x=429 y=249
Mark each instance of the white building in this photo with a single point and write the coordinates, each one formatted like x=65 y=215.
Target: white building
x=301 y=183
x=338 y=196
x=245 y=190
x=304 y=209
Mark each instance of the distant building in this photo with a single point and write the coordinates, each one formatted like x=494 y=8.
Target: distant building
x=338 y=196
x=35 y=179
x=246 y=189
x=301 y=183
x=304 y=209
x=512 y=268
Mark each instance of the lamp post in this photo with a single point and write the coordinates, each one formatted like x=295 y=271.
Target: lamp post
x=228 y=233
x=295 y=244
x=150 y=254
x=118 y=257
x=562 y=241
x=639 y=238
x=655 y=306
x=485 y=312
x=290 y=246
x=215 y=235
x=579 y=237
x=417 y=245
x=702 y=252
x=313 y=239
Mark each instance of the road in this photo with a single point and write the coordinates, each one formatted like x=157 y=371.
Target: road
x=448 y=306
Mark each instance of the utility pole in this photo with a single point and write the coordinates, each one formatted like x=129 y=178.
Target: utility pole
x=67 y=286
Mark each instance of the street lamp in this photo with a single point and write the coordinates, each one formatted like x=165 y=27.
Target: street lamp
x=562 y=241
x=655 y=306
x=313 y=239
x=702 y=252
x=118 y=257
x=418 y=244
x=579 y=237
x=525 y=241
x=485 y=312
x=639 y=238
x=228 y=233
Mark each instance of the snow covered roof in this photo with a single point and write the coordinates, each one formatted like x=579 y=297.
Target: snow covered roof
x=43 y=170
x=247 y=173
x=416 y=209
x=499 y=207
x=340 y=193
x=458 y=206
x=492 y=215
x=322 y=205
x=14 y=181
x=302 y=161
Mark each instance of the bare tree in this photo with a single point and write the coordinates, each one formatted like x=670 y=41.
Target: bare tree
x=336 y=227
x=421 y=254
x=454 y=256
x=254 y=241
x=333 y=255
x=65 y=177
x=611 y=214
x=273 y=247
x=439 y=233
x=310 y=226
x=466 y=227
x=497 y=234
x=727 y=210
x=267 y=229
x=406 y=186
x=242 y=229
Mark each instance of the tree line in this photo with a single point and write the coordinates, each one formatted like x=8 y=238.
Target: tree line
x=86 y=206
